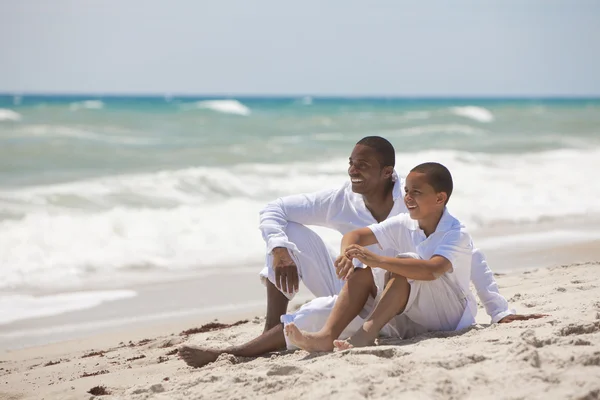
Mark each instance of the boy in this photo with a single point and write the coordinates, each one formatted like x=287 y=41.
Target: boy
x=428 y=290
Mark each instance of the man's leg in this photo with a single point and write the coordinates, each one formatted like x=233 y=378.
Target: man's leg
x=277 y=305
x=350 y=302
x=314 y=261
x=271 y=340
x=392 y=302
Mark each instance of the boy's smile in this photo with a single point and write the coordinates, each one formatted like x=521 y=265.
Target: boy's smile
x=420 y=197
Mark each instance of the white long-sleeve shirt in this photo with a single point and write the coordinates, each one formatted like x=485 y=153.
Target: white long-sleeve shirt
x=343 y=210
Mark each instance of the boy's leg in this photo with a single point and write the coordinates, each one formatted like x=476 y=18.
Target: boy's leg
x=350 y=302
x=393 y=302
x=271 y=340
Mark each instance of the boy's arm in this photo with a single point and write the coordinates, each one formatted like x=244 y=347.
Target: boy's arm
x=343 y=264
x=422 y=270
x=487 y=289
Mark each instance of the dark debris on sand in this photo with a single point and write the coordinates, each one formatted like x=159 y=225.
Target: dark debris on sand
x=136 y=358
x=211 y=326
x=172 y=352
x=94 y=353
x=162 y=359
x=99 y=391
x=85 y=374
x=49 y=363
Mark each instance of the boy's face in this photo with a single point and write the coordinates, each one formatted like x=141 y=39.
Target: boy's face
x=420 y=198
x=365 y=171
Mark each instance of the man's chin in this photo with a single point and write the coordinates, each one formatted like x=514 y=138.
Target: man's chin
x=358 y=188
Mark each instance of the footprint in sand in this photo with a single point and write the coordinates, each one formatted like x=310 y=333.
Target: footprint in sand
x=279 y=370
x=580 y=328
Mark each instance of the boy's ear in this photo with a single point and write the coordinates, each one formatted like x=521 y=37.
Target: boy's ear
x=441 y=198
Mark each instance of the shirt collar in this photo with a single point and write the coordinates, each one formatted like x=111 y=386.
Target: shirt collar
x=446 y=222
x=398 y=189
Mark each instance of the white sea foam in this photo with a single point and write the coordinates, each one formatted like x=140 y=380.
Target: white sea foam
x=18 y=307
x=206 y=217
x=224 y=106
x=9 y=115
x=56 y=131
x=455 y=129
x=479 y=114
x=87 y=105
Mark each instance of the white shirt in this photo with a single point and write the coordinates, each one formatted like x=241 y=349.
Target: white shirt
x=343 y=210
x=450 y=240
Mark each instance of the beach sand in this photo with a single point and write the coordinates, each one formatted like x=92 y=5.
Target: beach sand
x=557 y=357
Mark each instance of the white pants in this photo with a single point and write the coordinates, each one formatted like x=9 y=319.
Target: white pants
x=314 y=261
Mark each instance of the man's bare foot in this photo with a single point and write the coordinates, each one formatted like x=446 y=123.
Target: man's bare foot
x=308 y=341
x=195 y=356
x=342 y=345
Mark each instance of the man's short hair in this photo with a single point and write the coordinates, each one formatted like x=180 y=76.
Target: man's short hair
x=438 y=177
x=383 y=148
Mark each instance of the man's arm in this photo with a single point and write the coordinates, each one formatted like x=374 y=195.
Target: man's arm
x=306 y=209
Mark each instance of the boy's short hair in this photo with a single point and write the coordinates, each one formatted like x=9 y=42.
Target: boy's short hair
x=383 y=148
x=438 y=177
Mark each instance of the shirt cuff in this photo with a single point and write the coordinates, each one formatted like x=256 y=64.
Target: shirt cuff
x=501 y=315
x=281 y=242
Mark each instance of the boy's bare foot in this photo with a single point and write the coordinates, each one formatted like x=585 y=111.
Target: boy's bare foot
x=359 y=339
x=195 y=356
x=342 y=345
x=308 y=341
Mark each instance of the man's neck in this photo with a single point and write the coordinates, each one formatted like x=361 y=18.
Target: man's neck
x=429 y=224
x=380 y=204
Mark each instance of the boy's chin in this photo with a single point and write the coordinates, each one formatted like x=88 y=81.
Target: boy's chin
x=414 y=214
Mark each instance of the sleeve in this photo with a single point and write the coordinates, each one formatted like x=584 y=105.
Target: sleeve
x=391 y=233
x=487 y=289
x=455 y=246
x=307 y=209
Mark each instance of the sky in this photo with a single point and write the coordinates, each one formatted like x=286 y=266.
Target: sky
x=274 y=47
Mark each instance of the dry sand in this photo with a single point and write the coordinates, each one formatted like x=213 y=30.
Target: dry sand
x=557 y=357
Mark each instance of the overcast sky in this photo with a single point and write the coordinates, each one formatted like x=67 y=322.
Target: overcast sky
x=325 y=47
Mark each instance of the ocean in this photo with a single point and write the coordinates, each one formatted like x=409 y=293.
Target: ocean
x=114 y=189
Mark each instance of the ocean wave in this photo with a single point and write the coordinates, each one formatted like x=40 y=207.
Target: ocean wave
x=9 y=115
x=432 y=129
x=86 y=105
x=206 y=217
x=478 y=114
x=222 y=106
x=56 y=131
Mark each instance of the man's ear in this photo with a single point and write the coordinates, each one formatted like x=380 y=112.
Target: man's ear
x=441 y=198
x=388 y=171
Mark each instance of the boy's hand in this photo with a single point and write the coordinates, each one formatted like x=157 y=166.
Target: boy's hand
x=343 y=267
x=363 y=255
x=286 y=271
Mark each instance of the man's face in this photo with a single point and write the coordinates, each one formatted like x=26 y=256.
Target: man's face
x=365 y=170
x=420 y=197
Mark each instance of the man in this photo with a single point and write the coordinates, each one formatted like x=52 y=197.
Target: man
x=295 y=253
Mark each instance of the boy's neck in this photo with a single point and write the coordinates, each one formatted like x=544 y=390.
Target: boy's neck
x=430 y=223
x=380 y=204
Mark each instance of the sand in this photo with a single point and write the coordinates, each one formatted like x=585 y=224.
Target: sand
x=554 y=357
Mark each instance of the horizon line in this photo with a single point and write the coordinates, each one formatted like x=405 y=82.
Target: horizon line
x=294 y=96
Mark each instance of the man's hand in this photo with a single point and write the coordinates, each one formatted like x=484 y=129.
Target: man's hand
x=343 y=267
x=286 y=271
x=362 y=254
x=518 y=317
